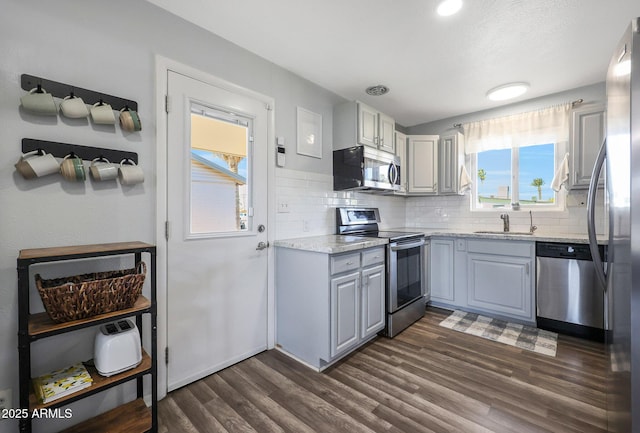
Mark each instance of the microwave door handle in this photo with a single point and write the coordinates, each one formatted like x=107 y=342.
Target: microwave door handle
x=393 y=173
x=396 y=174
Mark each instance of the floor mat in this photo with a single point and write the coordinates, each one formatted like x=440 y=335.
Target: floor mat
x=514 y=334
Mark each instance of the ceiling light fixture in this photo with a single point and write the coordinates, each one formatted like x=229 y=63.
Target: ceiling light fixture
x=377 y=90
x=507 y=91
x=449 y=7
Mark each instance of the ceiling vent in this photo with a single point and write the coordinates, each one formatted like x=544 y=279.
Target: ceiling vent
x=378 y=90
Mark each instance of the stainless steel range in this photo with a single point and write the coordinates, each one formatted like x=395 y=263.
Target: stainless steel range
x=405 y=301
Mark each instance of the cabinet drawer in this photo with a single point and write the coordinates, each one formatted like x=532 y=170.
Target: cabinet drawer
x=372 y=256
x=344 y=263
x=504 y=248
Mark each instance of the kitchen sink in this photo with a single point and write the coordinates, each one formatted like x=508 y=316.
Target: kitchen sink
x=498 y=232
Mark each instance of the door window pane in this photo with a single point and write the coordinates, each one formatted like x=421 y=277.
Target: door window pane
x=494 y=179
x=219 y=195
x=535 y=171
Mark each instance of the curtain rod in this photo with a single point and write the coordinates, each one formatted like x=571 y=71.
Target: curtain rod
x=573 y=103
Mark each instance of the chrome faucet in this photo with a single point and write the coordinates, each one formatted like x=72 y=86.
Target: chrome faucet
x=505 y=221
x=532 y=228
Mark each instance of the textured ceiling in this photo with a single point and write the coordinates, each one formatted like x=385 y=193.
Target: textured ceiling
x=435 y=67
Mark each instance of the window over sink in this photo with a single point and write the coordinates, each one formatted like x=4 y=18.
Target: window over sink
x=521 y=175
x=513 y=159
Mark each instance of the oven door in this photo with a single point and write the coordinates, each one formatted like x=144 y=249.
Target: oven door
x=405 y=273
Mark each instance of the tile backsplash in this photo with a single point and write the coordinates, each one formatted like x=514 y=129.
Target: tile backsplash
x=306 y=205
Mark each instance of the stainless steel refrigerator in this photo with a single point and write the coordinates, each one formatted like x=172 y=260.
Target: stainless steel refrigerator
x=621 y=156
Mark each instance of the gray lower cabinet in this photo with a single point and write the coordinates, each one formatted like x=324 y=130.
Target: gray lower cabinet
x=501 y=278
x=345 y=305
x=496 y=277
x=328 y=304
x=441 y=271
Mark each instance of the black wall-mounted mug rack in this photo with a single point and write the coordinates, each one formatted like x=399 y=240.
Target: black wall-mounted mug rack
x=60 y=150
x=61 y=90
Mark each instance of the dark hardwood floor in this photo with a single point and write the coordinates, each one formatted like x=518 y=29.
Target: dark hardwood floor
x=427 y=379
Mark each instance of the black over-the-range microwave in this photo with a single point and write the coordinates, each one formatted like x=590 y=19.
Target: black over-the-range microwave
x=365 y=169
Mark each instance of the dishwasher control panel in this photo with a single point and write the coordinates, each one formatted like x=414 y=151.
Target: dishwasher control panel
x=567 y=251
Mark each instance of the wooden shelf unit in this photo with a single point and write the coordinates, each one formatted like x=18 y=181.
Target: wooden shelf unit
x=131 y=417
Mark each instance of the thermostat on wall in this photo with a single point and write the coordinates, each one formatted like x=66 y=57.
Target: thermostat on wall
x=280 y=152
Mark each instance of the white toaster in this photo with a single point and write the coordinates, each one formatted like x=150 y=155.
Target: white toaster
x=117 y=347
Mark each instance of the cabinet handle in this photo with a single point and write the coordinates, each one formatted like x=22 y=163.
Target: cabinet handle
x=526 y=267
x=349 y=263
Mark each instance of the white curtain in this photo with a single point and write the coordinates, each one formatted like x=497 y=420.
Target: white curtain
x=549 y=125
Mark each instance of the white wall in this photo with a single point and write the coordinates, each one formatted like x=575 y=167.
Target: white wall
x=110 y=47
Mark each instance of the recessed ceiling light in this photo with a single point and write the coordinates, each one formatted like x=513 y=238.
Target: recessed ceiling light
x=449 y=7
x=377 y=90
x=507 y=91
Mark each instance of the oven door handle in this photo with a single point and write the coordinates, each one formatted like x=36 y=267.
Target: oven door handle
x=402 y=246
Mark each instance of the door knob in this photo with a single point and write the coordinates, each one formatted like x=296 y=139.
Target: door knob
x=262 y=246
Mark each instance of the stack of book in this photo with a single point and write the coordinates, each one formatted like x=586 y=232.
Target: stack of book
x=60 y=383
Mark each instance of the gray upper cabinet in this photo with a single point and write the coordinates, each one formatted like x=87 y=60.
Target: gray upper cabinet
x=587 y=133
x=401 y=153
x=367 y=125
x=450 y=161
x=422 y=164
x=355 y=123
x=386 y=133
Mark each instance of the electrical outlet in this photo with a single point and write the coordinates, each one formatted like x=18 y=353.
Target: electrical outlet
x=5 y=399
x=283 y=207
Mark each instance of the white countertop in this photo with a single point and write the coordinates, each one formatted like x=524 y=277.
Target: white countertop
x=330 y=244
x=333 y=244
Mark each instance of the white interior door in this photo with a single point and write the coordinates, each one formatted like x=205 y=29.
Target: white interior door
x=217 y=281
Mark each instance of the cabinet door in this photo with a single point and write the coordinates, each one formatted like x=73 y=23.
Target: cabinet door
x=448 y=165
x=587 y=134
x=401 y=153
x=441 y=267
x=422 y=155
x=367 y=125
x=501 y=284
x=345 y=308
x=386 y=132
x=373 y=288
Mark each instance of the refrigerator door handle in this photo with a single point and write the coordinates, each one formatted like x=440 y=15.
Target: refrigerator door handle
x=591 y=209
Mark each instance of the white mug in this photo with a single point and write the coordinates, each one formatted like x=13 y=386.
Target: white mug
x=130 y=173
x=102 y=114
x=37 y=163
x=38 y=101
x=101 y=169
x=74 y=107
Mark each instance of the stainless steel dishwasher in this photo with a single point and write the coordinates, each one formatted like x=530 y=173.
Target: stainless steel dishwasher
x=569 y=297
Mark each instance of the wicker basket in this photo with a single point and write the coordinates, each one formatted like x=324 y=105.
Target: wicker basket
x=81 y=296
